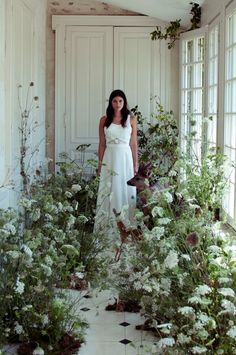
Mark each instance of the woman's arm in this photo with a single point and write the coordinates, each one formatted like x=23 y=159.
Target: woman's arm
x=102 y=144
x=134 y=143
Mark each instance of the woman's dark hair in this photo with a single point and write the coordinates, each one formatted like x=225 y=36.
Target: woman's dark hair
x=110 y=111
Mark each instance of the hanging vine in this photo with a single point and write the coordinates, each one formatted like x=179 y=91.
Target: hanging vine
x=173 y=31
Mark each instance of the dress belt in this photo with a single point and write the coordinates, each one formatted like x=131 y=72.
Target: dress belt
x=117 y=141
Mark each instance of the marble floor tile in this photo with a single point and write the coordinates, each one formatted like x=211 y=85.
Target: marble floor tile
x=102 y=348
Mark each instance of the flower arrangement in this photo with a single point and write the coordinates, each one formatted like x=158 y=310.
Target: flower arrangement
x=32 y=311
x=183 y=274
x=182 y=271
x=46 y=245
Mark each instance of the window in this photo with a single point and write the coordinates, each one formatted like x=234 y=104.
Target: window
x=212 y=86
x=230 y=108
x=192 y=93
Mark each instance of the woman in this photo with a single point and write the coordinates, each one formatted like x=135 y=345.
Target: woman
x=118 y=162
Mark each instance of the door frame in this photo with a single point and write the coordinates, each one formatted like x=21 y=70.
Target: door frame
x=59 y=25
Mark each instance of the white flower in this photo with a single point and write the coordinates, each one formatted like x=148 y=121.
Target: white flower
x=27 y=250
x=171 y=261
x=157 y=211
x=71 y=221
x=183 y=339
x=26 y=203
x=76 y=188
x=232 y=332
x=168 y=197
x=10 y=228
x=138 y=285
x=44 y=319
x=165 y=286
x=48 y=260
x=228 y=306
x=18 y=328
x=46 y=269
x=203 y=317
x=226 y=292
x=199 y=350
x=186 y=311
x=38 y=351
x=82 y=219
x=147 y=288
x=214 y=249
x=20 y=286
x=165 y=342
x=48 y=217
x=224 y=280
x=68 y=194
x=80 y=275
x=203 y=334
x=203 y=290
x=186 y=257
x=35 y=215
x=60 y=206
x=158 y=232
x=14 y=254
x=164 y=221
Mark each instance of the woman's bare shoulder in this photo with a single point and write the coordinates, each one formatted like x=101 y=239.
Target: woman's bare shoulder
x=133 y=118
x=103 y=119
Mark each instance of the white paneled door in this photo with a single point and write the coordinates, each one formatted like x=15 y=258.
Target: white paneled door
x=137 y=66
x=89 y=80
x=94 y=59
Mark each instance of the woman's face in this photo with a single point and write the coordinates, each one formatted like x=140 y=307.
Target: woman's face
x=117 y=103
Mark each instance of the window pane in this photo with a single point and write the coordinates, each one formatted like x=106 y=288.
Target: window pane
x=192 y=92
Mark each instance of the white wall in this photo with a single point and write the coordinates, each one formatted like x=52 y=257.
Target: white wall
x=22 y=59
x=211 y=9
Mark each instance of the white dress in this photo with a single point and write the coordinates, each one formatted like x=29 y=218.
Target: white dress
x=116 y=170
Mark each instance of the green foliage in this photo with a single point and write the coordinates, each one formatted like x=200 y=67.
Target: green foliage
x=158 y=140
x=196 y=16
x=183 y=273
x=206 y=181
x=55 y=248
x=173 y=31
x=31 y=309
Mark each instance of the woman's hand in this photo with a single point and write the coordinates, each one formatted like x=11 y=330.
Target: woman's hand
x=98 y=170
x=136 y=167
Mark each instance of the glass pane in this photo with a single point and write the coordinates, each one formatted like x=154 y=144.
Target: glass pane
x=189 y=57
x=198 y=77
x=197 y=101
x=228 y=67
x=233 y=95
x=233 y=61
x=190 y=76
x=228 y=99
x=227 y=130
x=212 y=100
x=200 y=49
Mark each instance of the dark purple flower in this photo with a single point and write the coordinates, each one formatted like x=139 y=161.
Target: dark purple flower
x=192 y=239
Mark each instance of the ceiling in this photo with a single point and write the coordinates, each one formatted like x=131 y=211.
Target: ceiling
x=165 y=10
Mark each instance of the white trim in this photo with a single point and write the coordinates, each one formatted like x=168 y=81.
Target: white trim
x=194 y=33
x=229 y=8
x=83 y=20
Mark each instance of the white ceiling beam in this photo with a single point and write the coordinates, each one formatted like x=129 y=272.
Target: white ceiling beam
x=165 y=10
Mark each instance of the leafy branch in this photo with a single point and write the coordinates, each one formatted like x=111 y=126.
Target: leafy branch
x=173 y=31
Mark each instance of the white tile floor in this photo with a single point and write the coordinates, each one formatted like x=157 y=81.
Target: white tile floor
x=110 y=332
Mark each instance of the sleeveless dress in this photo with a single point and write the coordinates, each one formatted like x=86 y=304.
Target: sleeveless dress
x=116 y=170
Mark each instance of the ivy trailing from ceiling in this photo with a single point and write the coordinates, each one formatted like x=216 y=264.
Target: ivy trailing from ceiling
x=174 y=30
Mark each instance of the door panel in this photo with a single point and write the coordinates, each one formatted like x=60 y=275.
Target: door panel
x=137 y=66
x=89 y=80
